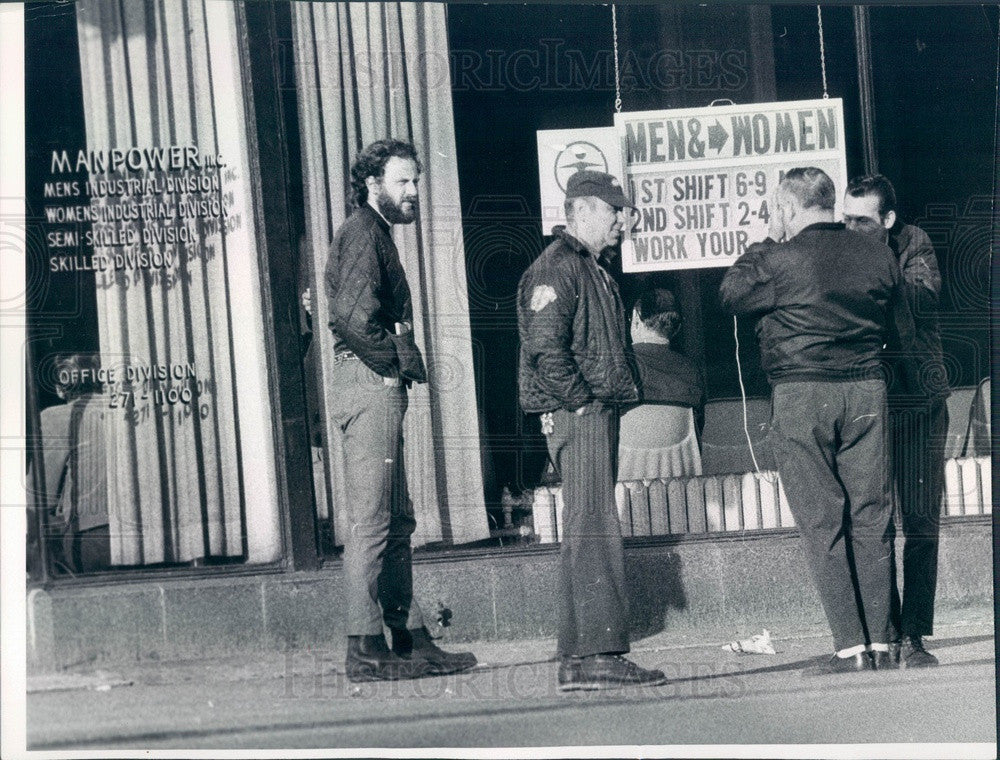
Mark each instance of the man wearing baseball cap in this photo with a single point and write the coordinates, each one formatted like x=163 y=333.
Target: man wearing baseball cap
x=573 y=371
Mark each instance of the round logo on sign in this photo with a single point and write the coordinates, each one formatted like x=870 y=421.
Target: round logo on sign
x=576 y=157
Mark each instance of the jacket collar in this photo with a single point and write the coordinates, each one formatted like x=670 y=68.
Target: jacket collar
x=576 y=245
x=893 y=238
x=375 y=216
x=571 y=241
x=822 y=226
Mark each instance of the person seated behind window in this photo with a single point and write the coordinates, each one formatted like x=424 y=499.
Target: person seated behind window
x=665 y=376
x=74 y=453
x=657 y=437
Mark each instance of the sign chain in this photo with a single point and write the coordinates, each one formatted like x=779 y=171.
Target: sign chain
x=614 y=32
x=822 y=49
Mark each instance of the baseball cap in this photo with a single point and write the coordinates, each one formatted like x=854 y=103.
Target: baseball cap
x=588 y=183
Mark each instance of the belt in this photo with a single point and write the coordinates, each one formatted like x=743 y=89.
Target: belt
x=344 y=356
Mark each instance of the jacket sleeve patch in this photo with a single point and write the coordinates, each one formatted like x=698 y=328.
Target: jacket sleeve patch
x=542 y=296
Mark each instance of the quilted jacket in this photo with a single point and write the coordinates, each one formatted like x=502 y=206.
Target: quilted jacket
x=368 y=294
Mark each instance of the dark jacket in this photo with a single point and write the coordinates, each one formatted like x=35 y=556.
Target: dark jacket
x=922 y=280
x=827 y=302
x=368 y=294
x=667 y=377
x=572 y=329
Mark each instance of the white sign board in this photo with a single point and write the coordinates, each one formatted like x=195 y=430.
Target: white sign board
x=703 y=179
x=562 y=152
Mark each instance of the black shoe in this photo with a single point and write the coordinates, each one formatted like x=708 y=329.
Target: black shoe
x=914 y=655
x=416 y=645
x=854 y=664
x=605 y=671
x=885 y=660
x=369 y=659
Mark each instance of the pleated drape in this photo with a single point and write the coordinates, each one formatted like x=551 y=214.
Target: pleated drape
x=184 y=479
x=368 y=71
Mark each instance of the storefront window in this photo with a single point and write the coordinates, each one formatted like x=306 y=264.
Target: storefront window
x=166 y=265
x=155 y=431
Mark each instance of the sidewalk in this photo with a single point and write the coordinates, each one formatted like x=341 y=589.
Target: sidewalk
x=301 y=699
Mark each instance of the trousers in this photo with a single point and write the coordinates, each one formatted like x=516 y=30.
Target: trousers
x=830 y=441
x=593 y=605
x=917 y=441
x=378 y=572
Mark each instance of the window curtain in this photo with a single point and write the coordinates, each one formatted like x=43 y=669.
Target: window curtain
x=364 y=72
x=195 y=480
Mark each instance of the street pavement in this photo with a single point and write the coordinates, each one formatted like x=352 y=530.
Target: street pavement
x=302 y=700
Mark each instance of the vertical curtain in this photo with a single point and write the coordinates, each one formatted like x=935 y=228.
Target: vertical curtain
x=367 y=71
x=191 y=480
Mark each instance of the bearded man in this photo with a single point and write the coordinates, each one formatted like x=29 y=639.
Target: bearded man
x=375 y=359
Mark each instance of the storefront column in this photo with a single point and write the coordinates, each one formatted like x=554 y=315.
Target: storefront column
x=281 y=256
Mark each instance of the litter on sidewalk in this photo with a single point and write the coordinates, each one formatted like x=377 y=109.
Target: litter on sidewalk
x=757 y=644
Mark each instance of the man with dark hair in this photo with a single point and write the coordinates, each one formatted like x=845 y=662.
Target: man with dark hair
x=827 y=300
x=574 y=371
x=918 y=415
x=371 y=162
x=375 y=359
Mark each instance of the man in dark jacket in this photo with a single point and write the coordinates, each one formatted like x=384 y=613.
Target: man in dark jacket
x=918 y=415
x=827 y=300
x=574 y=371
x=375 y=359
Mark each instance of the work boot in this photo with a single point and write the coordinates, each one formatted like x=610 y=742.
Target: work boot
x=914 y=655
x=369 y=659
x=853 y=664
x=604 y=671
x=416 y=645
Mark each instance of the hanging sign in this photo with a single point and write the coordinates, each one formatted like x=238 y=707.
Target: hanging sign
x=703 y=179
x=563 y=152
